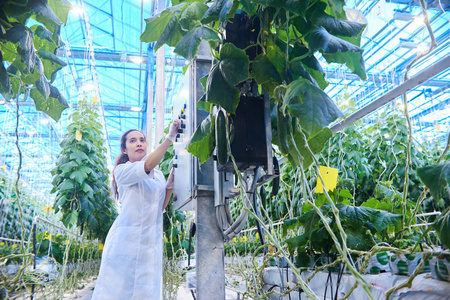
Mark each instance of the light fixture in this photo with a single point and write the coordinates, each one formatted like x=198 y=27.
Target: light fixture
x=89 y=86
x=2 y=101
x=136 y=59
x=78 y=10
x=135 y=108
x=403 y=16
x=45 y=121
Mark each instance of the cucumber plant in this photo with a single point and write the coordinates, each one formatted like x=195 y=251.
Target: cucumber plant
x=27 y=54
x=80 y=177
x=288 y=36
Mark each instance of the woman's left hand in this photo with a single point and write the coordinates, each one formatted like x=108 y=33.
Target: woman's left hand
x=169 y=184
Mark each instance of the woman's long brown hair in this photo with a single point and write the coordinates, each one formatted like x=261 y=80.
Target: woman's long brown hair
x=121 y=159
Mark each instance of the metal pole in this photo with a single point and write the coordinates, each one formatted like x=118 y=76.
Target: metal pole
x=414 y=81
x=149 y=110
x=34 y=255
x=160 y=87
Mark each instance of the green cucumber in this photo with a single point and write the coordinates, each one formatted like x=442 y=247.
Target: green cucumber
x=263 y=195
x=276 y=180
x=221 y=138
x=283 y=131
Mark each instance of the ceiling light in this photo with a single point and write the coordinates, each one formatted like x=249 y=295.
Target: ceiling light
x=2 y=101
x=134 y=108
x=45 y=121
x=403 y=16
x=78 y=10
x=87 y=87
x=137 y=59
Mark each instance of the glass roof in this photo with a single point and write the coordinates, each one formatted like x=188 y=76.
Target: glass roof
x=107 y=60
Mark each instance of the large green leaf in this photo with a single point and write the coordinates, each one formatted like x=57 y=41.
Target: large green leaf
x=442 y=226
x=78 y=176
x=320 y=39
x=22 y=36
x=71 y=219
x=355 y=216
x=316 y=144
x=192 y=15
x=358 y=239
x=66 y=185
x=295 y=242
x=384 y=220
x=51 y=62
x=353 y=60
x=310 y=105
x=335 y=8
x=43 y=39
x=51 y=106
x=202 y=143
x=67 y=167
x=218 y=11
x=172 y=34
x=310 y=221
x=79 y=156
x=265 y=73
x=45 y=14
x=231 y=68
x=339 y=27
x=61 y=9
x=188 y=45
x=298 y=7
x=436 y=178
x=299 y=70
x=156 y=25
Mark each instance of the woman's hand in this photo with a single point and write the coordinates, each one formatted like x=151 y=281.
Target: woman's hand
x=173 y=131
x=169 y=184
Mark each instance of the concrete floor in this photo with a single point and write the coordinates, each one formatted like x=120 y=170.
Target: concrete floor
x=183 y=293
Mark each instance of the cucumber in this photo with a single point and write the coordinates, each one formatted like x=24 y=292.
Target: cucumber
x=263 y=195
x=283 y=131
x=221 y=138
x=276 y=180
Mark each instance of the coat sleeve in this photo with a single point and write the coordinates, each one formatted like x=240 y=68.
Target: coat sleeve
x=130 y=173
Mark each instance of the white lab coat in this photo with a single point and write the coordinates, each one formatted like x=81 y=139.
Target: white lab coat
x=131 y=265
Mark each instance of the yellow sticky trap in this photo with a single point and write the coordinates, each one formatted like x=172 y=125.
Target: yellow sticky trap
x=78 y=135
x=94 y=100
x=437 y=127
x=330 y=176
x=4 y=167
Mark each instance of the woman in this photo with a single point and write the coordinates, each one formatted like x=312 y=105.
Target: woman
x=131 y=265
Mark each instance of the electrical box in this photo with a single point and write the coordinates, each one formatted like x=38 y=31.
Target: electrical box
x=183 y=162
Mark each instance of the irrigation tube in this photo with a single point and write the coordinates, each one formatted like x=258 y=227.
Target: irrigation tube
x=414 y=81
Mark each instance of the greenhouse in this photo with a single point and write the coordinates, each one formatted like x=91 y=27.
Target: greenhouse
x=246 y=149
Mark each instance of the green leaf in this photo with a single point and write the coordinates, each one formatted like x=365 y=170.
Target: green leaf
x=61 y=9
x=265 y=73
x=51 y=62
x=299 y=70
x=320 y=39
x=355 y=216
x=384 y=220
x=218 y=11
x=68 y=167
x=188 y=45
x=79 y=156
x=156 y=25
x=192 y=15
x=339 y=27
x=336 y=8
x=295 y=242
x=78 y=176
x=358 y=240
x=436 y=178
x=66 y=185
x=22 y=36
x=172 y=34
x=203 y=105
x=51 y=106
x=87 y=189
x=353 y=60
x=310 y=221
x=310 y=105
x=442 y=226
x=71 y=219
x=45 y=14
x=202 y=143
x=231 y=69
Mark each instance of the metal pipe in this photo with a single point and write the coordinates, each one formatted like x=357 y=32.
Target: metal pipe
x=414 y=81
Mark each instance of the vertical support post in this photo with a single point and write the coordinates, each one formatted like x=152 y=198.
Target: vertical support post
x=33 y=229
x=149 y=85
x=210 y=267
